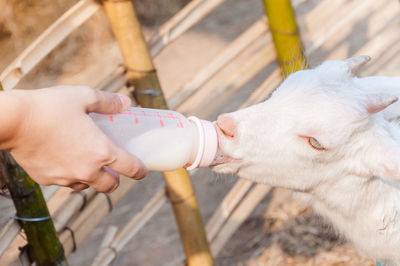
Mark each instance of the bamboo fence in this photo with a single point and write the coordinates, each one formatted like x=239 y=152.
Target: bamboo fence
x=43 y=45
x=83 y=211
x=47 y=41
x=109 y=250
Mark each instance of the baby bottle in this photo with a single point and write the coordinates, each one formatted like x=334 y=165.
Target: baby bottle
x=163 y=139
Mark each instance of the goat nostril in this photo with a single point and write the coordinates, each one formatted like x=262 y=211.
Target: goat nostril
x=227 y=125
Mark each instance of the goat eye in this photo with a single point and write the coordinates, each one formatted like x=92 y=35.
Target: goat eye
x=315 y=144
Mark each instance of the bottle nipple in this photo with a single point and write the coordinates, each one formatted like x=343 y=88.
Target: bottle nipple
x=207 y=144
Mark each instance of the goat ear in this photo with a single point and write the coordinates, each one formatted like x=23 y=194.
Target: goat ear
x=356 y=62
x=377 y=102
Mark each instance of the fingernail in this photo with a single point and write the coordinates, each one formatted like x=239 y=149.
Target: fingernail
x=126 y=102
x=115 y=187
x=143 y=173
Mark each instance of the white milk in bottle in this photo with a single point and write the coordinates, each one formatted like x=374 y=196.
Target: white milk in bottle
x=164 y=140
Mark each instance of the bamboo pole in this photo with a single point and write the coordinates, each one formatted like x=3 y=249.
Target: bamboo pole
x=44 y=248
x=290 y=55
x=142 y=75
x=71 y=206
x=264 y=90
x=7 y=235
x=109 y=235
x=225 y=209
x=43 y=245
x=82 y=11
x=259 y=94
x=47 y=41
x=192 y=13
x=240 y=76
x=285 y=34
x=114 y=81
x=10 y=231
x=239 y=215
x=232 y=200
x=91 y=216
x=176 y=26
x=326 y=36
x=49 y=191
x=289 y=52
x=232 y=51
x=109 y=252
x=222 y=214
x=188 y=217
x=140 y=69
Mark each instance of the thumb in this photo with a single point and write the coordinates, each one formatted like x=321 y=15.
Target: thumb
x=107 y=103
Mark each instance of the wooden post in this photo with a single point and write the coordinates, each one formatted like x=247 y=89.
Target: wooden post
x=285 y=34
x=142 y=75
x=44 y=248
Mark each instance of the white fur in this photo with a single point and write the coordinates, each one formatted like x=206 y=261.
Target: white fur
x=354 y=181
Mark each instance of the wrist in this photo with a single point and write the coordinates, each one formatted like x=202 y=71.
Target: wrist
x=13 y=105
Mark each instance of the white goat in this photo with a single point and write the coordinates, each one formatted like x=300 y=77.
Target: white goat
x=330 y=137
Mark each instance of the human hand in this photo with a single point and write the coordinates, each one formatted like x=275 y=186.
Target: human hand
x=52 y=137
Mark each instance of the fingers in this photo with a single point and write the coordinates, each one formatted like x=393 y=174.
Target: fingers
x=78 y=186
x=106 y=181
x=105 y=102
x=127 y=164
x=121 y=161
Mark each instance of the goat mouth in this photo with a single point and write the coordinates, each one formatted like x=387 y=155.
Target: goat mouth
x=221 y=157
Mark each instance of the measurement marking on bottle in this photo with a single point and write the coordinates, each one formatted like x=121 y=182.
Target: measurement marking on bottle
x=161 y=121
x=157 y=116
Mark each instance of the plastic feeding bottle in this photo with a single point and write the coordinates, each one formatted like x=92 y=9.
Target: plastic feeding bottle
x=164 y=140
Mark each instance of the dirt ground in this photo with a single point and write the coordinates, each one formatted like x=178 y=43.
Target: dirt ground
x=280 y=231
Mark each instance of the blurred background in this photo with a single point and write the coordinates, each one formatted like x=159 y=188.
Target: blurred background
x=280 y=231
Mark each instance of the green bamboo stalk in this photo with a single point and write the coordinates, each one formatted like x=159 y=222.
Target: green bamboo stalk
x=44 y=248
x=285 y=34
x=142 y=75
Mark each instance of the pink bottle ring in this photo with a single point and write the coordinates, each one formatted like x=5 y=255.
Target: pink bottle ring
x=208 y=143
